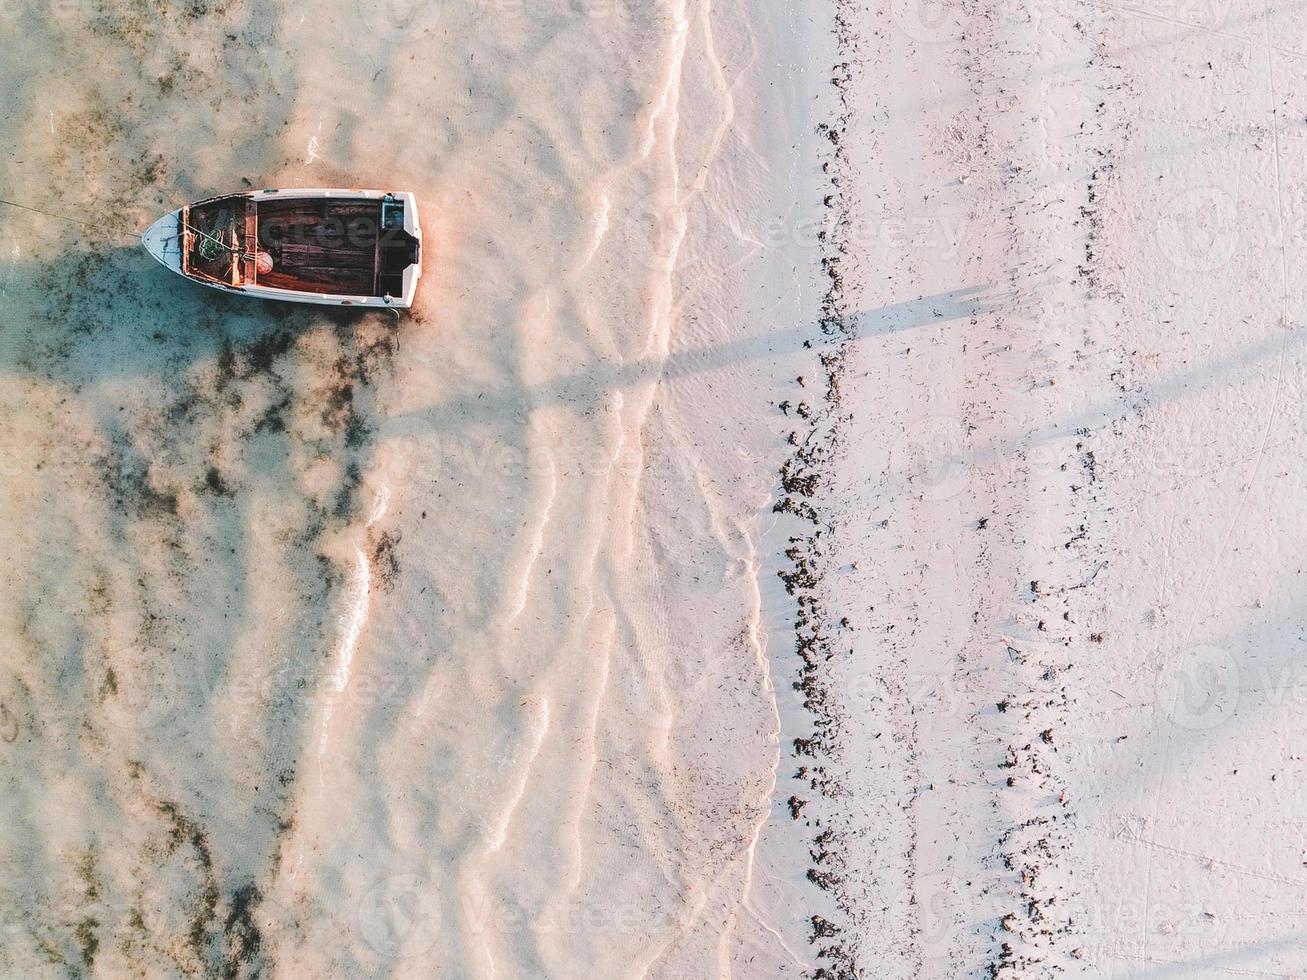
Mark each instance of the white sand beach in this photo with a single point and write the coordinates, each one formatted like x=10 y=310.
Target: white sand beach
x=830 y=512
x=1064 y=705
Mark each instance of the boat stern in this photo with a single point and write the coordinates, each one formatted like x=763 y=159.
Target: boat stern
x=413 y=272
x=163 y=240
x=399 y=251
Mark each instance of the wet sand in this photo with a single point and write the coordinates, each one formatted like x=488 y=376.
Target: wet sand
x=342 y=646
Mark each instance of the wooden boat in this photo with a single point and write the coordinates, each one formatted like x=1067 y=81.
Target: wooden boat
x=335 y=247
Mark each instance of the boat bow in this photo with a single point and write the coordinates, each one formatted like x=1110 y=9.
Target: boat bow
x=163 y=240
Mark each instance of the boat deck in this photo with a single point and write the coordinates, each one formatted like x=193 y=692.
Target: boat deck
x=326 y=245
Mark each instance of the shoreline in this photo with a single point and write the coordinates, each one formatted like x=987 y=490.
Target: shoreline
x=818 y=438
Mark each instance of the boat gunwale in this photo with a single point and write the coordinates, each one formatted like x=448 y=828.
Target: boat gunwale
x=411 y=274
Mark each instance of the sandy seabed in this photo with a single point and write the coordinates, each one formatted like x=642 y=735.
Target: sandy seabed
x=830 y=513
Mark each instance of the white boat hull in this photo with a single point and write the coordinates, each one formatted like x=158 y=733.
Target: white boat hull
x=164 y=241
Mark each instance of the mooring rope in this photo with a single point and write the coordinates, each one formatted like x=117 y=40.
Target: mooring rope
x=61 y=217
x=135 y=234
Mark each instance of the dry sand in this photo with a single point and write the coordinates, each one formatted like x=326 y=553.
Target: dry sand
x=831 y=512
x=1057 y=734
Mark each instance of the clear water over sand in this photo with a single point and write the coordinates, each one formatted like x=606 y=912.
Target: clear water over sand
x=336 y=646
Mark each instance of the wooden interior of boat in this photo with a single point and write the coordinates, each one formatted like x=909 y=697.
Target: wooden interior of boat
x=341 y=246
x=322 y=245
